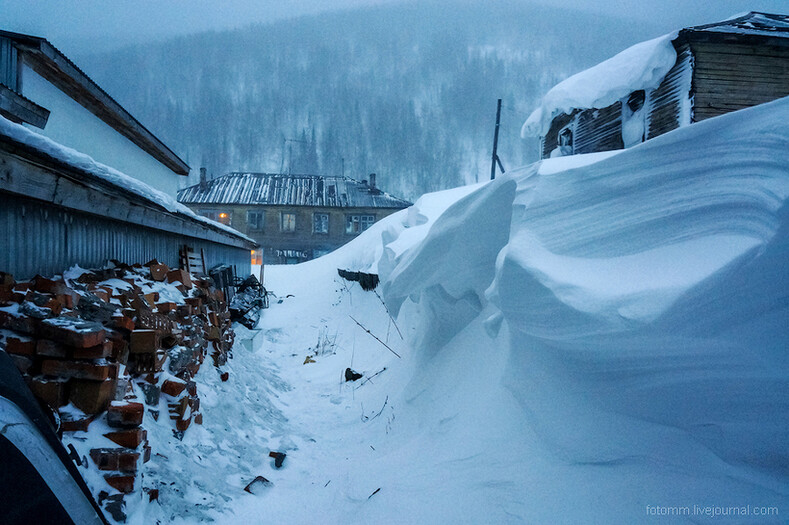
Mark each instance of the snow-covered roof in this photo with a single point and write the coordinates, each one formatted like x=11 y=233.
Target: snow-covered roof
x=753 y=23
x=67 y=76
x=289 y=190
x=640 y=67
x=86 y=164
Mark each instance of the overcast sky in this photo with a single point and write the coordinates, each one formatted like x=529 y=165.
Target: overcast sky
x=81 y=25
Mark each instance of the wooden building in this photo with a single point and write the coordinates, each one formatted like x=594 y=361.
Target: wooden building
x=294 y=218
x=44 y=90
x=719 y=68
x=82 y=181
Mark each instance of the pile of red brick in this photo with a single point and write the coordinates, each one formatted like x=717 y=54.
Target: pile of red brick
x=105 y=345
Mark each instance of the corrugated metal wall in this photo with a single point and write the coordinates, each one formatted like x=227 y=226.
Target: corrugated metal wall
x=669 y=104
x=8 y=64
x=598 y=129
x=39 y=238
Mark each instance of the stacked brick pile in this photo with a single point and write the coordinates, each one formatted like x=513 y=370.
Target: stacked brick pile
x=105 y=345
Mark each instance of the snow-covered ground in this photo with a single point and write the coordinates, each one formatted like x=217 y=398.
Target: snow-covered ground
x=600 y=339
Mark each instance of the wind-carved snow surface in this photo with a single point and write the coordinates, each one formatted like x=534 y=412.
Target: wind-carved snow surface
x=641 y=66
x=583 y=339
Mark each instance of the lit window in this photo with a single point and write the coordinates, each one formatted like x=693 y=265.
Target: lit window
x=219 y=216
x=287 y=222
x=358 y=223
x=320 y=223
x=255 y=220
x=257 y=257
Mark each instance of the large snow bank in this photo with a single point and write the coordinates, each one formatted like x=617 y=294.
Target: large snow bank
x=641 y=66
x=108 y=174
x=583 y=341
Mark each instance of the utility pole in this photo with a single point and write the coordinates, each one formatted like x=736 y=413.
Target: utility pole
x=495 y=157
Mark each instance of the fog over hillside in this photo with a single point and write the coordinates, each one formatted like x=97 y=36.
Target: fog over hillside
x=406 y=91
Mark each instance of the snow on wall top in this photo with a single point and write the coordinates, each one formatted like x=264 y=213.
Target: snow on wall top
x=85 y=163
x=753 y=23
x=289 y=190
x=641 y=66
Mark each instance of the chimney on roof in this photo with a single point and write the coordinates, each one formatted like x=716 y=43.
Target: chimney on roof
x=372 y=181
x=203 y=181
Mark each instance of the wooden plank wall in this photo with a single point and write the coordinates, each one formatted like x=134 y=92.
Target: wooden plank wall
x=728 y=76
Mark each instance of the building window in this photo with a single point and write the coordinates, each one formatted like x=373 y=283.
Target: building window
x=320 y=223
x=257 y=257
x=255 y=220
x=358 y=223
x=225 y=217
x=287 y=222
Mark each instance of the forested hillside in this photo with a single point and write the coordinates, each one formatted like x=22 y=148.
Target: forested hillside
x=407 y=91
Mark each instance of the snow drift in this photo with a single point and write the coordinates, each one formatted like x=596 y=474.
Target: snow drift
x=585 y=339
x=646 y=304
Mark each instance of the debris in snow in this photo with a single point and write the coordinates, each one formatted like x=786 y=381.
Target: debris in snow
x=279 y=458
x=257 y=484
x=368 y=281
x=374 y=493
x=308 y=359
x=352 y=375
x=93 y=342
x=374 y=336
x=246 y=305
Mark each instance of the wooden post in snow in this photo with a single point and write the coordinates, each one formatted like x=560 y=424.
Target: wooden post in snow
x=494 y=157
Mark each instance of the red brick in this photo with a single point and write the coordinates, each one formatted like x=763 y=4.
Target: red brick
x=173 y=387
x=42 y=284
x=102 y=294
x=151 y=299
x=124 y=484
x=91 y=397
x=53 y=392
x=73 y=332
x=122 y=322
x=166 y=307
x=159 y=272
x=195 y=302
x=130 y=438
x=17 y=322
x=94 y=352
x=224 y=376
x=20 y=345
x=180 y=276
x=122 y=459
x=76 y=369
x=198 y=419
x=124 y=415
x=6 y=279
x=182 y=424
x=71 y=423
x=213 y=334
x=47 y=348
x=22 y=287
x=178 y=410
x=143 y=341
x=191 y=388
x=7 y=295
x=146 y=457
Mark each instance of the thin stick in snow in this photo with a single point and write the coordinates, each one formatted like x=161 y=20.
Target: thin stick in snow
x=376 y=338
x=389 y=314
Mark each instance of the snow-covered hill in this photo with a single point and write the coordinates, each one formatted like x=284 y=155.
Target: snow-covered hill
x=593 y=339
